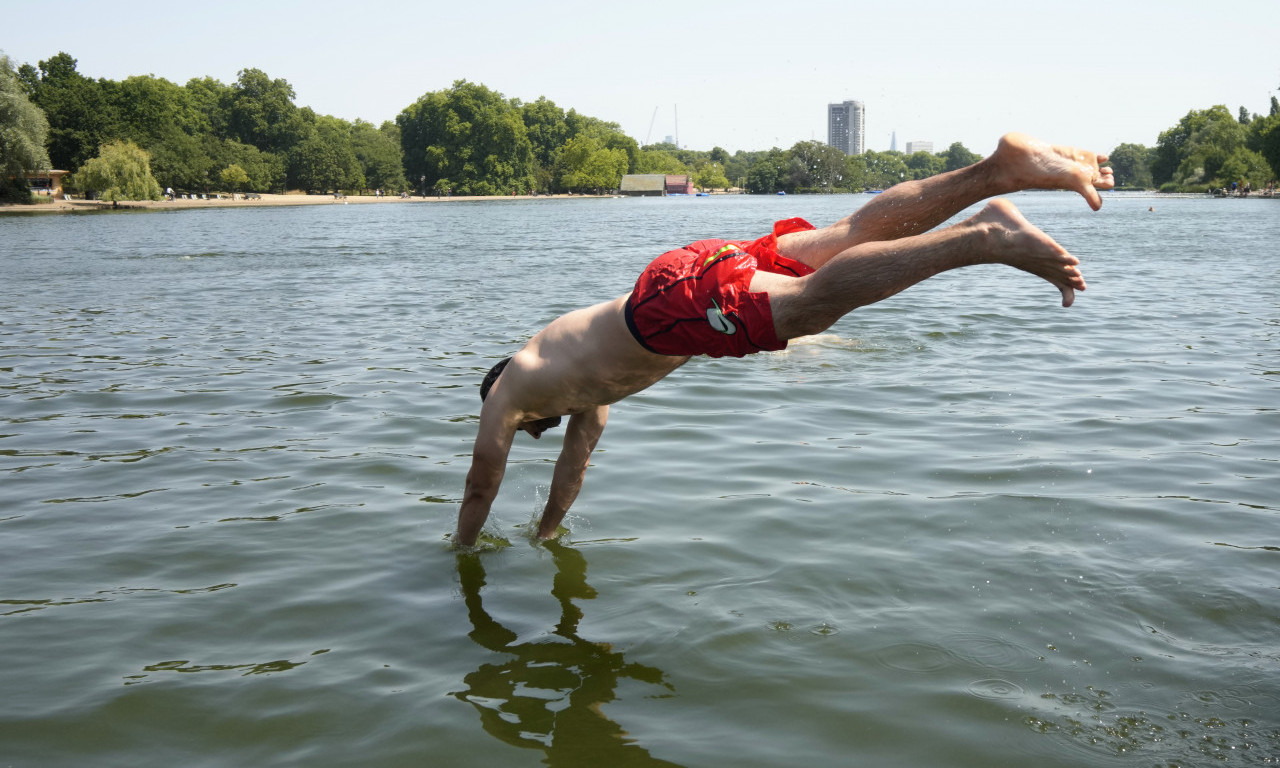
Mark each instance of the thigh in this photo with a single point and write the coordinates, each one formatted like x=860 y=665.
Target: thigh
x=817 y=246
x=794 y=313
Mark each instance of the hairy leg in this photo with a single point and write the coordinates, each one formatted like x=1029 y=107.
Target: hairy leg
x=871 y=272
x=914 y=207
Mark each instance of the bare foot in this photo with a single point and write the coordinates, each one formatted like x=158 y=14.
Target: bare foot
x=1013 y=240
x=1029 y=163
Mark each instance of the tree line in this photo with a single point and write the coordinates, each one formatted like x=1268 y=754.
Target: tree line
x=1208 y=149
x=126 y=139
x=129 y=138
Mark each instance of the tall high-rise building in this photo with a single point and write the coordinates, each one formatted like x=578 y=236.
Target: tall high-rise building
x=847 y=127
x=919 y=146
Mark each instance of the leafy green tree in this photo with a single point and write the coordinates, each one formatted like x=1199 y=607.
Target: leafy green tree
x=1197 y=133
x=813 y=165
x=737 y=166
x=80 y=114
x=1197 y=148
x=587 y=164
x=958 y=156
x=234 y=177
x=150 y=109
x=711 y=176
x=266 y=170
x=884 y=169
x=314 y=165
x=692 y=158
x=1132 y=166
x=857 y=175
x=932 y=164
x=663 y=146
x=1269 y=142
x=28 y=78
x=262 y=112
x=547 y=129
x=658 y=161
x=325 y=160
x=609 y=134
x=377 y=151
x=182 y=162
x=121 y=171
x=189 y=163
x=211 y=100
x=23 y=130
x=468 y=134
x=922 y=165
x=1243 y=165
x=768 y=173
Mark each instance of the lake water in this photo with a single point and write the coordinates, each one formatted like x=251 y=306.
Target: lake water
x=966 y=527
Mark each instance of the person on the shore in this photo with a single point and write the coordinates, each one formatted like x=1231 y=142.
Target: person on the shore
x=723 y=297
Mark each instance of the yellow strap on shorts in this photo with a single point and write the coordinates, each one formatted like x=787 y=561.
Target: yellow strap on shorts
x=719 y=253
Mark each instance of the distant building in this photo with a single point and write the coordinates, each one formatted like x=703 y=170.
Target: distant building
x=656 y=184
x=847 y=127
x=46 y=182
x=679 y=184
x=644 y=184
x=919 y=146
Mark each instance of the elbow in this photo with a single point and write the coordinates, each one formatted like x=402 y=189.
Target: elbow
x=479 y=493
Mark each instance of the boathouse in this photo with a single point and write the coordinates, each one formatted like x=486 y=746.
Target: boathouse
x=656 y=184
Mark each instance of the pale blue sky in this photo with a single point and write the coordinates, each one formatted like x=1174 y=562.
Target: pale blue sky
x=741 y=75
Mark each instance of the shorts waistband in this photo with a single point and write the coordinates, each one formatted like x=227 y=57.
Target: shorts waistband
x=628 y=313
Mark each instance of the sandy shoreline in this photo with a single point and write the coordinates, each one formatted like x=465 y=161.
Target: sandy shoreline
x=75 y=206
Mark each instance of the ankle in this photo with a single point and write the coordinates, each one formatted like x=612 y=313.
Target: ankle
x=988 y=240
x=996 y=174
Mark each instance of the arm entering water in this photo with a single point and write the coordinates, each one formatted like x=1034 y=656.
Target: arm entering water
x=571 y=468
x=488 y=465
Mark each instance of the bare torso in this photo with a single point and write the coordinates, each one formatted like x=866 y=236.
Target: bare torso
x=582 y=360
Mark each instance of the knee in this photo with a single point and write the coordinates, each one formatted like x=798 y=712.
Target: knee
x=804 y=312
x=806 y=322
x=813 y=324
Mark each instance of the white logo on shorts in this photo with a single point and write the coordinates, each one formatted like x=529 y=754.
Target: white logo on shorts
x=718 y=321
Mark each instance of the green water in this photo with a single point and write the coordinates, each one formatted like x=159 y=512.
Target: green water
x=966 y=527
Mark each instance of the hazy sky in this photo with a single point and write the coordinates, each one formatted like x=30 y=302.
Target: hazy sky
x=742 y=75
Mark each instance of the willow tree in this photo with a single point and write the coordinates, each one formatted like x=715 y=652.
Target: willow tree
x=121 y=171
x=23 y=130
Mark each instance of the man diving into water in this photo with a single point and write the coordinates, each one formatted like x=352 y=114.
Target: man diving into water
x=722 y=297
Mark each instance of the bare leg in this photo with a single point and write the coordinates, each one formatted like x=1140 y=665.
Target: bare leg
x=874 y=271
x=914 y=207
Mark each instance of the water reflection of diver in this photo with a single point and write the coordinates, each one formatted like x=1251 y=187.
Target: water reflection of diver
x=549 y=695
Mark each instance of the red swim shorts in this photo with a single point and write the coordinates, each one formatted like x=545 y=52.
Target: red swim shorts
x=695 y=300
